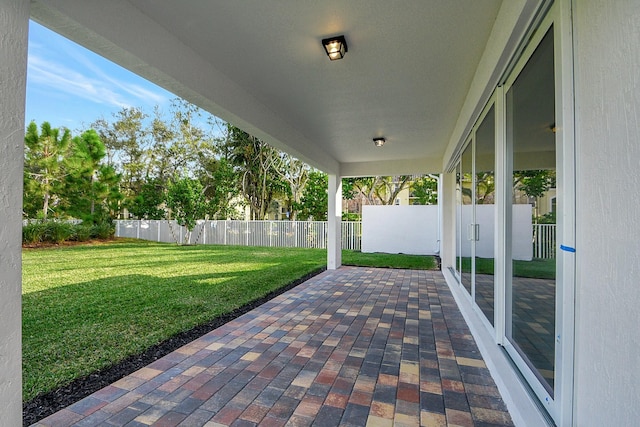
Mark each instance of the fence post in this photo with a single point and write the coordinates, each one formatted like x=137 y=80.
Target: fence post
x=204 y=233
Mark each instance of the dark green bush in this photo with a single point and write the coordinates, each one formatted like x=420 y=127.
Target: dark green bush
x=58 y=232
x=103 y=230
x=32 y=233
x=82 y=232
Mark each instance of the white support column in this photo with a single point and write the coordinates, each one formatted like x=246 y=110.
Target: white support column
x=447 y=201
x=14 y=27
x=440 y=214
x=334 y=219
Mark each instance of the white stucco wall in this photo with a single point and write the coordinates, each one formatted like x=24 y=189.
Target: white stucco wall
x=607 y=93
x=447 y=240
x=14 y=19
x=400 y=229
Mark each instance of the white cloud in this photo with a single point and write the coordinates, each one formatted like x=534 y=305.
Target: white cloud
x=97 y=87
x=133 y=89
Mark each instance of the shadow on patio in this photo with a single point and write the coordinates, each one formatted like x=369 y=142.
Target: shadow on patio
x=353 y=346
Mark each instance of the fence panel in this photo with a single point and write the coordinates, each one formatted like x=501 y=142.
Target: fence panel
x=298 y=234
x=544 y=241
x=352 y=235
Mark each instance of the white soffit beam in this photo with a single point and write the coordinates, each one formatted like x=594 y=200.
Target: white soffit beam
x=260 y=66
x=512 y=22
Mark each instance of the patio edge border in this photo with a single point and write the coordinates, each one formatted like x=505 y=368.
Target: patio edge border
x=524 y=411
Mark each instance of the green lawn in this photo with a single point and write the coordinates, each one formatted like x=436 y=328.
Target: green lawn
x=537 y=268
x=414 y=262
x=87 y=307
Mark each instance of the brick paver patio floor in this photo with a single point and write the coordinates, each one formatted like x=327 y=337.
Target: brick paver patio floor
x=352 y=347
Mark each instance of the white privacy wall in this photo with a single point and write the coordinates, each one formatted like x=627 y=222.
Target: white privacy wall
x=607 y=96
x=400 y=229
x=14 y=19
x=414 y=230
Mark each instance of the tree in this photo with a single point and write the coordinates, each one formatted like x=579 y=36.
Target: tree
x=534 y=183
x=160 y=167
x=146 y=204
x=220 y=187
x=185 y=198
x=254 y=161
x=91 y=188
x=425 y=189
x=314 y=202
x=43 y=166
x=190 y=143
x=380 y=189
x=485 y=188
x=296 y=174
x=127 y=147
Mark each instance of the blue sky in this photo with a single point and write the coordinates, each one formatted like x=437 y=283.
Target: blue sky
x=70 y=86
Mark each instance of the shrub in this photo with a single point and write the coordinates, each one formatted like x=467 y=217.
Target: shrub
x=33 y=233
x=82 y=232
x=103 y=230
x=57 y=232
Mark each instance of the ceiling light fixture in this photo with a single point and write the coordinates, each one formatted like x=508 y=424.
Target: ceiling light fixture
x=335 y=47
x=379 y=142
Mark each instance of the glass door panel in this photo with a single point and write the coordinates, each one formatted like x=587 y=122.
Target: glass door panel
x=485 y=214
x=468 y=231
x=530 y=109
x=458 y=268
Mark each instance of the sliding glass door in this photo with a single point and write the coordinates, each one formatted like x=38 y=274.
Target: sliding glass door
x=467 y=219
x=511 y=177
x=475 y=215
x=485 y=214
x=531 y=287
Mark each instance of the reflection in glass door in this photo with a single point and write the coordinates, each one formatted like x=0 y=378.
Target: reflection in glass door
x=466 y=217
x=485 y=185
x=458 y=269
x=475 y=214
x=530 y=120
x=516 y=148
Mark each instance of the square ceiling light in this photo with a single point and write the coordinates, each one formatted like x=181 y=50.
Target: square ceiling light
x=335 y=47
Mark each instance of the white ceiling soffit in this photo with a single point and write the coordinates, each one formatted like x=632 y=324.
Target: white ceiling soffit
x=260 y=65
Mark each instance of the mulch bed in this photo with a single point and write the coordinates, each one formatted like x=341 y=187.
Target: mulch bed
x=46 y=404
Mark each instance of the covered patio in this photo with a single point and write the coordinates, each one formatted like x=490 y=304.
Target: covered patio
x=352 y=346
x=454 y=88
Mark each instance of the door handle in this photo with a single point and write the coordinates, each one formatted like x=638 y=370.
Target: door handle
x=473 y=232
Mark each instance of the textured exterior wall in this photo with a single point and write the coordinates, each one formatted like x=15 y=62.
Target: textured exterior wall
x=607 y=92
x=14 y=20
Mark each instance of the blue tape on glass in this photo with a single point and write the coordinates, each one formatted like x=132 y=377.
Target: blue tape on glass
x=567 y=248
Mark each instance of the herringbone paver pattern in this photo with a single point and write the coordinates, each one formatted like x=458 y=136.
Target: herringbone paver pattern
x=351 y=347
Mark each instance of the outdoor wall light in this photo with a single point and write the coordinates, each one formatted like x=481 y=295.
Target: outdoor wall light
x=335 y=47
x=379 y=142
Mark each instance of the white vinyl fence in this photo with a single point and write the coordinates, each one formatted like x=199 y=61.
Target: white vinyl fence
x=300 y=234
x=544 y=241
x=297 y=234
